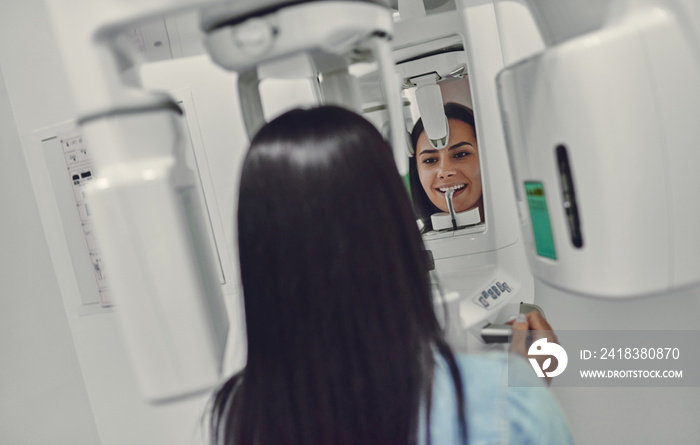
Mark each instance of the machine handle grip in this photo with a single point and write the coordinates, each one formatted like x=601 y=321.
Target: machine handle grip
x=502 y=333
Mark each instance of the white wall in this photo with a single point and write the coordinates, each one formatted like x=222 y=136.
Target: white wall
x=42 y=395
x=43 y=398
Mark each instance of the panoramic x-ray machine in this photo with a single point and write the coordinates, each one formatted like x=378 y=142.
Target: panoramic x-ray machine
x=168 y=301
x=578 y=171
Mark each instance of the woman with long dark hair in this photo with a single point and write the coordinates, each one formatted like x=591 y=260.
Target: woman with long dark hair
x=432 y=171
x=343 y=343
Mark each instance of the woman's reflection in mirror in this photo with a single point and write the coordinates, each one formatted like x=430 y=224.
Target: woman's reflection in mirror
x=433 y=172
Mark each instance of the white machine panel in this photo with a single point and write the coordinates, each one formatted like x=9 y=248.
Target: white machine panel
x=600 y=134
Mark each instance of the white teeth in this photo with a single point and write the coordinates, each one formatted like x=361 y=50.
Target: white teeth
x=454 y=187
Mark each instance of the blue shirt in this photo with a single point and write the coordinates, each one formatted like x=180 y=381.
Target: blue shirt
x=496 y=413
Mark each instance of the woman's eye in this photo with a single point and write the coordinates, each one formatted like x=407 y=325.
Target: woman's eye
x=429 y=161
x=462 y=154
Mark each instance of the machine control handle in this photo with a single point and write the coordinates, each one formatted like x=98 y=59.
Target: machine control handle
x=502 y=333
x=496 y=333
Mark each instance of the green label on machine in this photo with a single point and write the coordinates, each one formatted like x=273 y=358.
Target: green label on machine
x=539 y=215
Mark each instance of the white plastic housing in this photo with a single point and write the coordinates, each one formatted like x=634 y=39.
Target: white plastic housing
x=295 y=29
x=425 y=72
x=624 y=101
x=429 y=101
x=158 y=261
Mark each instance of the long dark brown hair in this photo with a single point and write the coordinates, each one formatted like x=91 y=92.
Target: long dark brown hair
x=341 y=328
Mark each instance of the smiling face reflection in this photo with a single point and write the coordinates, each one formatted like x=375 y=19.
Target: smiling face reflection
x=456 y=166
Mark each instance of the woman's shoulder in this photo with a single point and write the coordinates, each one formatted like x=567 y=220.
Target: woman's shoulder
x=474 y=365
x=484 y=380
x=500 y=412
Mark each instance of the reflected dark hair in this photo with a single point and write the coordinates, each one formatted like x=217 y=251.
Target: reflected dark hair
x=421 y=203
x=339 y=314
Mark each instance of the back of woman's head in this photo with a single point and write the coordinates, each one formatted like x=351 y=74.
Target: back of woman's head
x=338 y=307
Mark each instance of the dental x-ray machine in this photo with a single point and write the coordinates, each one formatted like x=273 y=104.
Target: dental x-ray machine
x=168 y=302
